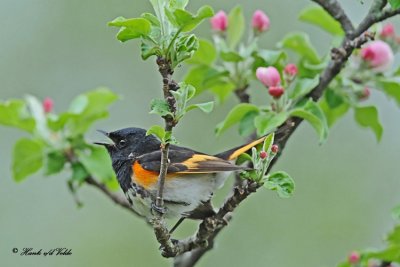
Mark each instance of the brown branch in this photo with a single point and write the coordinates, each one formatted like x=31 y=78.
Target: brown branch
x=376 y=13
x=336 y=11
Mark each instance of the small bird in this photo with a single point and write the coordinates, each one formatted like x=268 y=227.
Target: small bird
x=191 y=179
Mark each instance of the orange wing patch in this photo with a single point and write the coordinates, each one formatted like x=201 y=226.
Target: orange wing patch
x=193 y=162
x=243 y=149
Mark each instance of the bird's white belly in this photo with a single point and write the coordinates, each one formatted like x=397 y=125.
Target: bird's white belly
x=182 y=194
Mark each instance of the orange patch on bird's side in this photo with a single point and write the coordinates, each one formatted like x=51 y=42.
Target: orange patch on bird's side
x=143 y=177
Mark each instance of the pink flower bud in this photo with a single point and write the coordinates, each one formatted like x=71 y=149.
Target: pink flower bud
x=268 y=76
x=48 y=105
x=291 y=69
x=354 y=257
x=276 y=91
x=387 y=31
x=260 y=21
x=274 y=149
x=364 y=95
x=220 y=21
x=263 y=155
x=378 y=54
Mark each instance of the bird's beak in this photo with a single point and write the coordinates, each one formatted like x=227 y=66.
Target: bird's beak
x=107 y=145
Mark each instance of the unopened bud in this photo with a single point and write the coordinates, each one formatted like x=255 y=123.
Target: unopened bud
x=263 y=154
x=275 y=149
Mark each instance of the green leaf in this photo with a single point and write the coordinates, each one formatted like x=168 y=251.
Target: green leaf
x=311 y=112
x=131 y=28
x=303 y=86
x=205 y=77
x=395 y=4
x=268 y=122
x=149 y=50
x=160 y=107
x=333 y=99
x=234 y=116
x=368 y=117
x=205 y=54
x=246 y=125
x=391 y=89
x=391 y=254
x=27 y=158
x=281 y=182
x=205 y=107
x=152 y=19
x=14 y=113
x=79 y=173
x=333 y=114
x=222 y=90
x=97 y=162
x=317 y=16
x=187 y=21
x=231 y=56
x=268 y=57
x=394 y=237
x=300 y=43
x=236 y=26
x=157 y=130
x=55 y=162
x=268 y=142
x=178 y=4
x=88 y=108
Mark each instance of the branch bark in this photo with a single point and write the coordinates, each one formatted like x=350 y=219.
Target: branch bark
x=337 y=12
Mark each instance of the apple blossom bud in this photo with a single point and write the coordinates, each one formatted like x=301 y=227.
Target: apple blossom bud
x=48 y=105
x=378 y=55
x=364 y=94
x=354 y=257
x=387 y=31
x=263 y=155
x=274 y=149
x=220 y=21
x=276 y=91
x=268 y=76
x=260 y=21
x=291 y=69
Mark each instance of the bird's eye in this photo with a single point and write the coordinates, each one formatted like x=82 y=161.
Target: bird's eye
x=122 y=143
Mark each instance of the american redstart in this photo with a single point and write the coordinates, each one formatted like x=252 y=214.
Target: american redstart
x=191 y=180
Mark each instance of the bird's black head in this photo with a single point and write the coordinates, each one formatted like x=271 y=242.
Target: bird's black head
x=129 y=143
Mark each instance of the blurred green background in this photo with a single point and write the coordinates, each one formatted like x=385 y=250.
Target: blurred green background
x=345 y=188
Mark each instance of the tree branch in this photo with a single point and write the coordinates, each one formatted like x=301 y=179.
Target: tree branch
x=336 y=11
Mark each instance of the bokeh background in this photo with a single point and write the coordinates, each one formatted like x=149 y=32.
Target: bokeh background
x=345 y=189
